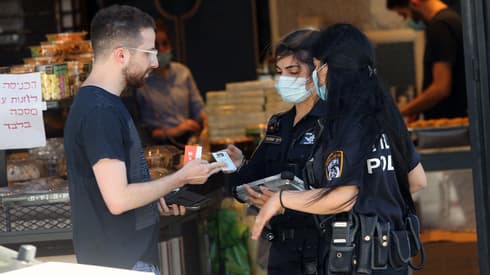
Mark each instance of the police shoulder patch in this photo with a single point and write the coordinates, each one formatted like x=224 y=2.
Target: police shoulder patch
x=334 y=165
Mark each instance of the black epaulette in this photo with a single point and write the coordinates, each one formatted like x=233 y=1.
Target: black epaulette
x=274 y=123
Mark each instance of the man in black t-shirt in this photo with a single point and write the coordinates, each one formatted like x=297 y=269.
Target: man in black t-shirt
x=444 y=86
x=113 y=201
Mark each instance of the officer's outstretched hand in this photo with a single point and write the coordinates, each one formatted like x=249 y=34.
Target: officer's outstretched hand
x=271 y=208
x=235 y=154
x=258 y=198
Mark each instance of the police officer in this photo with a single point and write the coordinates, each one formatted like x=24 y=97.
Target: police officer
x=287 y=145
x=364 y=166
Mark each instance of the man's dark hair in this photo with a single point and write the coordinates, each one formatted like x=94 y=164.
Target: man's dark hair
x=391 y=4
x=118 y=25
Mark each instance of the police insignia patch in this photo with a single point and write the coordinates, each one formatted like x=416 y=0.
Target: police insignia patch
x=272 y=139
x=334 y=165
x=308 y=139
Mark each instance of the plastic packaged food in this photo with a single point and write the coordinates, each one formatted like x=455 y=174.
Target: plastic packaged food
x=52 y=156
x=4 y=70
x=23 y=68
x=51 y=50
x=45 y=184
x=24 y=169
x=66 y=36
x=35 y=50
x=54 y=81
x=43 y=60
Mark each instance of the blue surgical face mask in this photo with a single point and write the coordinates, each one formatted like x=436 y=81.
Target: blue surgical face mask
x=164 y=58
x=321 y=91
x=292 y=89
x=416 y=25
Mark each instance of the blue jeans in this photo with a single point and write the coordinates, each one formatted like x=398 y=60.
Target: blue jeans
x=146 y=267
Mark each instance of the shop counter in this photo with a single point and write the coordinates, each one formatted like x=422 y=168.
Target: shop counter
x=57 y=239
x=447 y=158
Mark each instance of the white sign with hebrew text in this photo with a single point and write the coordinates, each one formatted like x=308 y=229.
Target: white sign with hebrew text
x=21 y=111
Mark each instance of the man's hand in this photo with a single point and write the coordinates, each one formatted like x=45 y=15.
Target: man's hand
x=197 y=171
x=165 y=210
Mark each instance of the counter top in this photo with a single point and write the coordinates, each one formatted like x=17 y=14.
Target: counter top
x=446 y=158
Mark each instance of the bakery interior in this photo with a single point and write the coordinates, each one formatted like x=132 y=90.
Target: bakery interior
x=227 y=46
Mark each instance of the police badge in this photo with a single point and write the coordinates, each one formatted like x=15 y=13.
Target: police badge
x=334 y=165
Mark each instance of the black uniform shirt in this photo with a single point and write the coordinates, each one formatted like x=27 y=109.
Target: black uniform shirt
x=379 y=192
x=285 y=148
x=444 y=43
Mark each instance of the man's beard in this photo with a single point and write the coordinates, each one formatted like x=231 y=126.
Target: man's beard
x=134 y=79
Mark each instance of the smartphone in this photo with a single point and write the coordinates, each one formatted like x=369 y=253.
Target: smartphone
x=188 y=199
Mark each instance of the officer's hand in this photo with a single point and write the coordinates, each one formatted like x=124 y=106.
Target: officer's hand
x=258 y=198
x=271 y=208
x=197 y=171
x=165 y=210
x=235 y=154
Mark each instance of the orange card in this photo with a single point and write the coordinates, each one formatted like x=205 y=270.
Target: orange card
x=192 y=152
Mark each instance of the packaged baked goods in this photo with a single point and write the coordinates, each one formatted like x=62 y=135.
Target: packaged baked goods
x=4 y=70
x=54 y=81
x=66 y=36
x=23 y=170
x=440 y=122
x=52 y=156
x=43 y=60
x=45 y=184
x=22 y=69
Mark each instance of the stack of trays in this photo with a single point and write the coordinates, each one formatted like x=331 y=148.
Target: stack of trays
x=242 y=105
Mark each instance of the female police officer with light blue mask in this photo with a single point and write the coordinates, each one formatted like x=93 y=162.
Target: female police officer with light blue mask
x=288 y=143
x=363 y=170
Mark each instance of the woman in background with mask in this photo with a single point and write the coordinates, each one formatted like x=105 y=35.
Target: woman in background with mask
x=288 y=144
x=171 y=106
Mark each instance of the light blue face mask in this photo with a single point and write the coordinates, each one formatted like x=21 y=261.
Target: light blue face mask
x=292 y=89
x=321 y=91
x=164 y=58
x=416 y=25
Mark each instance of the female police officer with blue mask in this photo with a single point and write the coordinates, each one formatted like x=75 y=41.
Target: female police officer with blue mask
x=288 y=143
x=364 y=166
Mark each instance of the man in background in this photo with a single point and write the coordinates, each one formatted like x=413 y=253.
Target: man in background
x=444 y=85
x=171 y=107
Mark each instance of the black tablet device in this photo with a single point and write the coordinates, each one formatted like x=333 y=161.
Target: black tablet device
x=186 y=198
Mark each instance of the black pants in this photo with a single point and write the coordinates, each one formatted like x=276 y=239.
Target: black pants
x=295 y=256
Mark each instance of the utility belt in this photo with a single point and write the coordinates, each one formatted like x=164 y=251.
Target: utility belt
x=306 y=242
x=361 y=244
x=282 y=234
